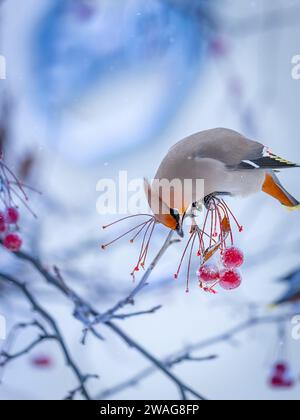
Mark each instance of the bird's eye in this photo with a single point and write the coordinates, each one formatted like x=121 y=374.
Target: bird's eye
x=175 y=213
x=176 y=216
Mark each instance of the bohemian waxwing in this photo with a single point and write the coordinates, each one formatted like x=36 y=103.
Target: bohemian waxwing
x=292 y=294
x=229 y=163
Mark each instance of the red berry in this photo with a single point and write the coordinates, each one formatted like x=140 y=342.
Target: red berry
x=281 y=368
x=12 y=242
x=230 y=279
x=42 y=361
x=208 y=273
x=12 y=215
x=232 y=258
x=282 y=376
x=2 y=223
x=280 y=382
x=277 y=382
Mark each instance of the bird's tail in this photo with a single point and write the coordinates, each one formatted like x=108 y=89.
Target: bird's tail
x=271 y=161
x=273 y=187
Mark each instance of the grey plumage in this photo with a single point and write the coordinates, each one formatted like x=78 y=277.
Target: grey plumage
x=227 y=162
x=214 y=156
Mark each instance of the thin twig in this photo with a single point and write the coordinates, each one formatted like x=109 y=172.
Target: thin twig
x=5 y=358
x=183 y=388
x=188 y=358
x=135 y=314
x=129 y=300
x=72 y=394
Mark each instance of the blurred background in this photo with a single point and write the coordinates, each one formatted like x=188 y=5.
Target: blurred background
x=97 y=86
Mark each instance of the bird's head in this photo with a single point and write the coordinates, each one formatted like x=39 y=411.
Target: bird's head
x=165 y=215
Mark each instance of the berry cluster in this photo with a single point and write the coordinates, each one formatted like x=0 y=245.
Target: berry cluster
x=214 y=238
x=281 y=376
x=8 y=227
x=11 y=190
x=228 y=277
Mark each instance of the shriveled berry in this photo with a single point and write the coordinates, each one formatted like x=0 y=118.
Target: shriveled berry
x=230 y=279
x=12 y=216
x=232 y=258
x=208 y=273
x=13 y=242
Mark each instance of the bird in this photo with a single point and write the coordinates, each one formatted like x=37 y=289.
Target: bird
x=292 y=294
x=291 y=279
x=230 y=165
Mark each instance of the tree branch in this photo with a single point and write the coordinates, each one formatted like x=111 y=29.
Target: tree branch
x=135 y=314
x=182 y=387
x=58 y=336
x=184 y=355
x=129 y=300
x=5 y=357
x=84 y=311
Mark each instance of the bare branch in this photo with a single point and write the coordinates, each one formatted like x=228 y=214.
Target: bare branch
x=183 y=355
x=135 y=314
x=58 y=336
x=72 y=394
x=188 y=358
x=129 y=300
x=183 y=388
x=5 y=358
x=84 y=312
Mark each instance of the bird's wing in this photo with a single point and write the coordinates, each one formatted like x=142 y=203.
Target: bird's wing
x=292 y=277
x=293 y=292
x=231 y=148
x=221 y=144
x=292 y=295
x=267 y=160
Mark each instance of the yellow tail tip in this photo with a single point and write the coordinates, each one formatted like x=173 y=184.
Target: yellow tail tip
x=272 y=306
x=294 y=208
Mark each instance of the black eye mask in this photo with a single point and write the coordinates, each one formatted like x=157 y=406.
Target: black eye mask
x=174 y=213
